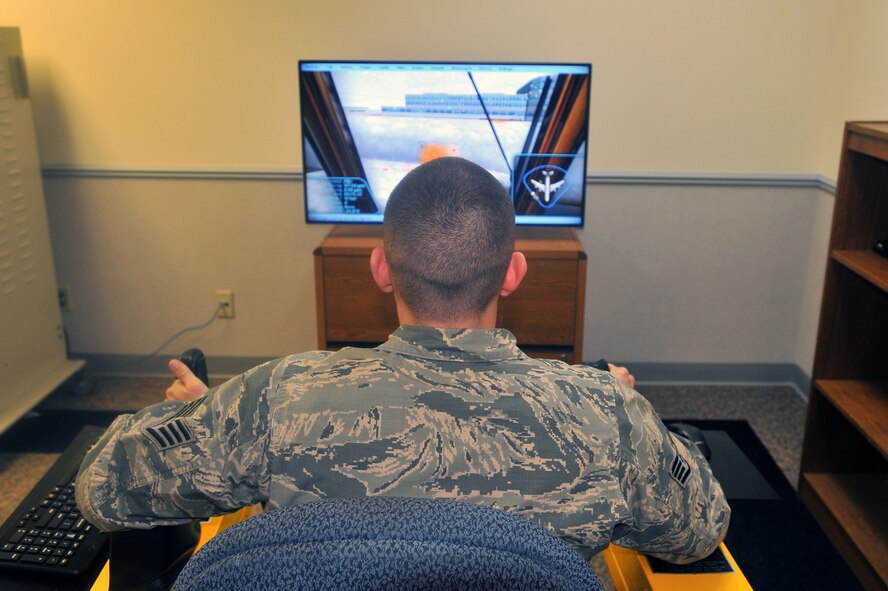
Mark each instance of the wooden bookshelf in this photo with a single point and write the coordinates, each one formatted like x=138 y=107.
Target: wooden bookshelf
x=869 y=265
x=844 y=471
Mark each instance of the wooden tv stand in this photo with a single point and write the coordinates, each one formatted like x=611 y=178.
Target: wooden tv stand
x=545 y=314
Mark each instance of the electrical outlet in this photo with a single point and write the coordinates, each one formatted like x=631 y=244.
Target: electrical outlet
x=65 y=302
x=225 y=303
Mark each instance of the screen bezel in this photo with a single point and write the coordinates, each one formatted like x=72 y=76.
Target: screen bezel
x=472 y=64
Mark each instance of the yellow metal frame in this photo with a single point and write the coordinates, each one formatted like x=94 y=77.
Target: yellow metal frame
x=630 y=571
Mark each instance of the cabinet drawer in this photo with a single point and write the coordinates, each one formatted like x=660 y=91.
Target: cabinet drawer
x=356 y=309
x=543 y=310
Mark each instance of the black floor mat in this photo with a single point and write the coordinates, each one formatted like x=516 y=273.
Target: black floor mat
x=773 y=538
x=51 y=431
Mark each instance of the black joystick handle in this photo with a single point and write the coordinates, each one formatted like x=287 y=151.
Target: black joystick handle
x=197 y=363
x=600 y=364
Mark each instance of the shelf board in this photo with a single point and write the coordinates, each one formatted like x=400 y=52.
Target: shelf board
x=869 y=265
x=864 y=404
x=851 y=508
x=870 y=138
x=877 y=129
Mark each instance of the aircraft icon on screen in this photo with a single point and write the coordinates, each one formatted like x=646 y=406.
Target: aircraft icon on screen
x=544 y=189
x=549 y=187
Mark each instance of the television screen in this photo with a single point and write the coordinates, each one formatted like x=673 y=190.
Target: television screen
x=366 y=124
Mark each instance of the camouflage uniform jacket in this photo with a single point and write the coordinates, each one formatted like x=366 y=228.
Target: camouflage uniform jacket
x=448 y=413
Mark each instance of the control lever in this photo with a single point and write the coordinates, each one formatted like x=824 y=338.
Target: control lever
x=601 y=364
x=693 y=434
x=197 y=363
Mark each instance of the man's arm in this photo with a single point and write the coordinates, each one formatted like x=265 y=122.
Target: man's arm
x=177 y=461
x=678 y=511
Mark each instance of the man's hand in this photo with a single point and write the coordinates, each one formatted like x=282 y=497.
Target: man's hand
x=186 y=387
x=622 y=374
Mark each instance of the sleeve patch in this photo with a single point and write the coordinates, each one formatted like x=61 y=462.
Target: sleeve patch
x=169 y=434
x=679 y=470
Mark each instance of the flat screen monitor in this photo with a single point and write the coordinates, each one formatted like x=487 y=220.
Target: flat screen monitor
x=367 y=124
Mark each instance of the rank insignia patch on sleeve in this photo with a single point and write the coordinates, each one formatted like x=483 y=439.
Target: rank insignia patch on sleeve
x=169 y=434
x=680 y=470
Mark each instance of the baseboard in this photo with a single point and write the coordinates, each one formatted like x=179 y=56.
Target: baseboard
x=721 y=373
x=644 y=372
x=156 y=365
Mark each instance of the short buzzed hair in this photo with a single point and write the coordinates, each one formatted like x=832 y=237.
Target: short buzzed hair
x=449 y=236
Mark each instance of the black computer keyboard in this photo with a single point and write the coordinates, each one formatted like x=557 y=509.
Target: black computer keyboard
x=46 y=533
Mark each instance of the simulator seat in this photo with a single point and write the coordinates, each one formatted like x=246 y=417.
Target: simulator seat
x=386 y=543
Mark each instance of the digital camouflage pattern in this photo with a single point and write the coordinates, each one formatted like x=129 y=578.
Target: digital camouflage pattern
x=449 y=413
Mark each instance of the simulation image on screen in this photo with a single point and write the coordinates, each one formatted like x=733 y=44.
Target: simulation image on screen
x=365 y=125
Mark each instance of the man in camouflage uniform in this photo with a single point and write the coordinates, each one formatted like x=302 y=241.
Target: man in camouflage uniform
x=433 y=412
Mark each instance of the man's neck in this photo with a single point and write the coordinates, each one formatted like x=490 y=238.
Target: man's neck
x=487 y=319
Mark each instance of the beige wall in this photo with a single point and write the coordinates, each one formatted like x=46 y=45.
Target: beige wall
x=702 y=274
x=857 y=84
x=677 y=273
x=144 y=257
x=691 y=86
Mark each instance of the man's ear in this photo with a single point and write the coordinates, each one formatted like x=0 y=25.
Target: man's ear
x=380 y=270
x=516 y=272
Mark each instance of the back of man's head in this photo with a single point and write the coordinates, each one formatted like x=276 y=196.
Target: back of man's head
x=449 y=237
